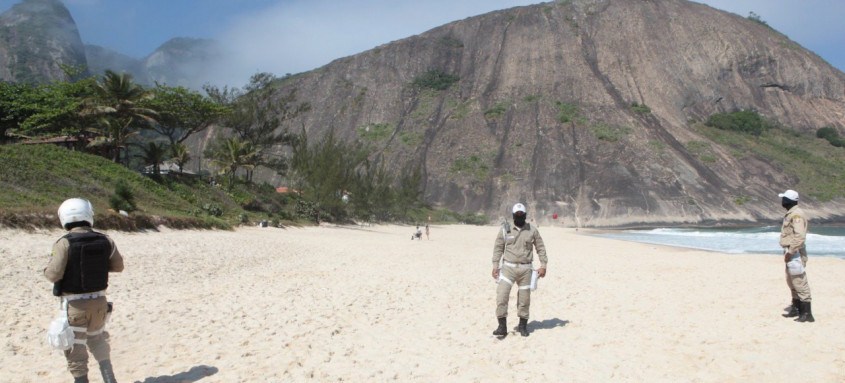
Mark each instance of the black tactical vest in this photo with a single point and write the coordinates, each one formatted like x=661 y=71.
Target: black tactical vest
x=87 y=267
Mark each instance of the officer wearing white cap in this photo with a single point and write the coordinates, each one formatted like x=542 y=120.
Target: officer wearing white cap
x=793 y=234
x=514 y=247
x=79 y=269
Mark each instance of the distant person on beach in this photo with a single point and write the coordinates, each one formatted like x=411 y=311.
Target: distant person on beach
x=793 y=234
x=79 y=269
x=426 y=232
x=417 y=234
x=514 y=247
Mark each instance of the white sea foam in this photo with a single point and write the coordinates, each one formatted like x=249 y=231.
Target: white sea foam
x=761 y=240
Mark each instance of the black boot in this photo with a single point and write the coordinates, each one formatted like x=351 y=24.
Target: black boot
x=503 y=327
x=81 y=379
x=806 y=313
x=793 y=311
x=107 y=371
x=523 y=326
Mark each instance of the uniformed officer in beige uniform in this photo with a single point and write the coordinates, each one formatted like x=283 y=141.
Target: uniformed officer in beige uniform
x=79 y=268
x=793 y=235
x=514 y=248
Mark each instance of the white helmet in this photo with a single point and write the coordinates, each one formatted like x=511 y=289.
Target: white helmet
x=76 y=210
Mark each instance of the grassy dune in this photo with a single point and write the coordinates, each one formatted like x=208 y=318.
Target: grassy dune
x=36 y=179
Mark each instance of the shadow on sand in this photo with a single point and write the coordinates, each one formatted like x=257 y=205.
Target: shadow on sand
x=546 y=324
x=194 y=374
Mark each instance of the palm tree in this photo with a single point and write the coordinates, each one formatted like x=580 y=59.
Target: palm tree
x=154 y=154
x=251 y=158
x=231 y=154
x=115 y=104
x=180 y=154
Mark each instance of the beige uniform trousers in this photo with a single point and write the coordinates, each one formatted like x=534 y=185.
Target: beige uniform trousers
x=91 y=314
x=798 y=284
x=520 y=276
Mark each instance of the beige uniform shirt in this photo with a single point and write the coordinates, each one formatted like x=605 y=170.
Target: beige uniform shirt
x=793 y=233
x=55 y=269
x=518 y=246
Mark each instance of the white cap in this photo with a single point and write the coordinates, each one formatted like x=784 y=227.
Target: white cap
x=791 y=194
x=519 y=207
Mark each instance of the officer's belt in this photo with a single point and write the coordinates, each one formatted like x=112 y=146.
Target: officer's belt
x=73 y=297
x=517 y=265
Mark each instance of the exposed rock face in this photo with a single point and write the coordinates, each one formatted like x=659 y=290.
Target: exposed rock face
x=100 y=59
x=181 y=62
x=178 y=62
x=542 y=112
x=37 y=37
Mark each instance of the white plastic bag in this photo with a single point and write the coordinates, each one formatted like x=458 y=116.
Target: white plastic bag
x=535 y=275
x=795 y=266
x=59 y=334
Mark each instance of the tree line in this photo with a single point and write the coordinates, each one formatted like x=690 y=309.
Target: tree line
x=114 y=117
x=108 y=116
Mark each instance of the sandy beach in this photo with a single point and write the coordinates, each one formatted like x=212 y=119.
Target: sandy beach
x=368 y=304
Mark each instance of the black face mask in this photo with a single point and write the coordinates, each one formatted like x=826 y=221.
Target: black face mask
x=519 y=220
x=787 y=203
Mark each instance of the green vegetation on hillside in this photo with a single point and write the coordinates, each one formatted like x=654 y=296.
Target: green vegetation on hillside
x=640 y=108
x=339 y=181
x=818 y=167
x=496 y=111
x=753 y=16
x=411 y=139
x=744 y=121
x=435 y=79
x=702 y=150
x=451 y=42
x=475 y=167
x=568 y=113
x=609 y=133
x=375 y=132
x=831 y=135
x=111 y=117
x=37 y=178
x=459 y=109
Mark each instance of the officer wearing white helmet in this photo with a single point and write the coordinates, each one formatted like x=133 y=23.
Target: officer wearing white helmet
x=79 y=269
x=514 y=247
x=793 y=236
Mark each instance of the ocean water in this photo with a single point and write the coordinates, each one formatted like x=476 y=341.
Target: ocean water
x=821 y=241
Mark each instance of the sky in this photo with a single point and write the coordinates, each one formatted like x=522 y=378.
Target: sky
x=292 y=36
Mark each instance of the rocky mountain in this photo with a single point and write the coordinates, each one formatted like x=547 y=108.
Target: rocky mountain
x=37 y=38
x=182 y=62
x=178 y=62
x=584 y=108
x=100 y=58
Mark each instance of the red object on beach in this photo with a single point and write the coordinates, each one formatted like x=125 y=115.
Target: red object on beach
x=554 y=216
